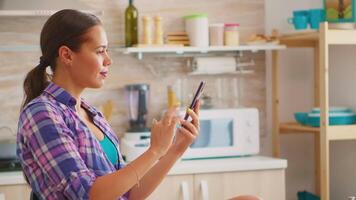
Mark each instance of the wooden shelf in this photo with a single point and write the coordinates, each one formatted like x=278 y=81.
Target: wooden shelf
x=341 y=37
x=310 y=39
x=294 y=127
x=344 y=132
x=183 y=50
x=20 y=48
x=347 y=132
x=300 y=39
x=320 y=41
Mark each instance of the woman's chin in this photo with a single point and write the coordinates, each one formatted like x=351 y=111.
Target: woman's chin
x=97 y=84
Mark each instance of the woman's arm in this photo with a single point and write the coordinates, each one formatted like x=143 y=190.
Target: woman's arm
x=184 y=137
x=155 y=175
x=118 y=183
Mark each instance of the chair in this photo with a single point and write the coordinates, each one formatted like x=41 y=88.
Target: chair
x=34 y=196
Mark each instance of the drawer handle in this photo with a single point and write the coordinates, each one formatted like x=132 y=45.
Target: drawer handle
x=185 y=190
x=204 y=190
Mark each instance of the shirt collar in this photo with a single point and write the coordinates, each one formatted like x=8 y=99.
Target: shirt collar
x=65 y=98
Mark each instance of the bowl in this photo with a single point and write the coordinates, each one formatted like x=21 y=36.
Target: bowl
x=301 y=117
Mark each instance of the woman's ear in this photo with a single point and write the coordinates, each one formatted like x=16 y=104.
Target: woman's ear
x=65 y=55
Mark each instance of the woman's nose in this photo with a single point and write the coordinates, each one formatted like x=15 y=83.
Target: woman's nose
x=107 y=60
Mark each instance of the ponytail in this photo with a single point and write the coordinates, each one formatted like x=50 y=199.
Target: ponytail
x=35 y=82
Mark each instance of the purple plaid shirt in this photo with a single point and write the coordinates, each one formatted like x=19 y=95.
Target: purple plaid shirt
x=60 y=156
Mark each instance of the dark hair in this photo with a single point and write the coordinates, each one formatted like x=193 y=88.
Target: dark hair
x=65 y=27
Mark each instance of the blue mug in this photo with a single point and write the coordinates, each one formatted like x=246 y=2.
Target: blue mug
x=316 y=16
x=297 y=13
x=299 y=22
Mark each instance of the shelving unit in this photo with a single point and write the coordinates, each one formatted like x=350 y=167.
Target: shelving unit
x=139 y=51
x=320 y=42
x=19 y=48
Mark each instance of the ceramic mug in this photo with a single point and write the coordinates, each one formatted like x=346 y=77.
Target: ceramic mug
x=316 y=16
x=297 y=13
x=299 y=22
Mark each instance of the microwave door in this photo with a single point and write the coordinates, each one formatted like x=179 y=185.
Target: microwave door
x=215 y=133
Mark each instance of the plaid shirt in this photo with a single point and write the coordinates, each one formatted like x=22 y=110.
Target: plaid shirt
x=60 y=156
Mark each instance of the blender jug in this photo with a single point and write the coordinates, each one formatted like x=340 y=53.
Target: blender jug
x=137 y=96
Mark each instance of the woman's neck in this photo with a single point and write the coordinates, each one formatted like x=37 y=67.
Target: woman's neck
x=66 y=83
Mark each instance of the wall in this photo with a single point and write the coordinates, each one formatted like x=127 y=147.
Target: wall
x=156 y=71
x=296 y=94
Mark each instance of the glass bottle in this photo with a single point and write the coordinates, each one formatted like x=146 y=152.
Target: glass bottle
x=131 y=16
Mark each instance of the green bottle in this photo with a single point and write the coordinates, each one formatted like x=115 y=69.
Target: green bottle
x=131 y=15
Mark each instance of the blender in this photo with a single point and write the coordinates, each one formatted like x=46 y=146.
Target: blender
x=137 y=99
x=137 y=138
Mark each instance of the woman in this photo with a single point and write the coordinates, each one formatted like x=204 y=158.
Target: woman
x=66 y=147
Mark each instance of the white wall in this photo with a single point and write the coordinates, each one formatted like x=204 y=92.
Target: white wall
x=296 y=94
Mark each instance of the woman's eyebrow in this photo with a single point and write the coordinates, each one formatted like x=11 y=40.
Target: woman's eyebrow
x=101 y=46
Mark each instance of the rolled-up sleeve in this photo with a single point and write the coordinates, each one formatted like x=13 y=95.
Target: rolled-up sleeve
x=55 y=152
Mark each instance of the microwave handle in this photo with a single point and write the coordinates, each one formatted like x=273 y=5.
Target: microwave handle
x=185 y=190
x=204 y=190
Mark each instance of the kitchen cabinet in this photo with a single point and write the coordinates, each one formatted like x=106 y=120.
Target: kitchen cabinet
x=268 y=184
x=216 y=182
x=15 y=192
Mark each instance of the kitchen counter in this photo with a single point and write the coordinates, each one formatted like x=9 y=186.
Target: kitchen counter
x=191 y=167
x=12 y=178
x=227 y=165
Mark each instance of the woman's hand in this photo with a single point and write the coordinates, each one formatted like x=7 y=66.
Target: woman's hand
x=189 y=131
x=162 y=132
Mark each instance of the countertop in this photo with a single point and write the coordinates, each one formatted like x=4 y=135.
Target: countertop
x=227 y=165
x=191 y=167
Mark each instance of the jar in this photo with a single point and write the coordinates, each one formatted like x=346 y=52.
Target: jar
x=197 y=28
x=216 y=34
x=231 y=35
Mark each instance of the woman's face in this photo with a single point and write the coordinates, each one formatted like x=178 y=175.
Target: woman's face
x=90 y=64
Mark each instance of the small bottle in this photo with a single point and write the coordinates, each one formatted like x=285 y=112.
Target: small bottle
x=147 y=30
x=158 y=35
x=131 y=15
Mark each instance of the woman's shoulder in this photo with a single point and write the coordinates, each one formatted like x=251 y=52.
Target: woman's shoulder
x=36 y=109
x=40 y=103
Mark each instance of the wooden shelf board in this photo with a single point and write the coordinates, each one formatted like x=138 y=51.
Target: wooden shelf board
x=341 y=37
x=300 y=39
x=311 y=38
x=344 y=132
x=294 y=127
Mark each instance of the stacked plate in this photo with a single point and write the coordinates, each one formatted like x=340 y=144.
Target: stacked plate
x=337 y=116
x=180 y=38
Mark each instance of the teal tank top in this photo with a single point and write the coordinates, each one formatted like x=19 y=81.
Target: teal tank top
x=109 y=149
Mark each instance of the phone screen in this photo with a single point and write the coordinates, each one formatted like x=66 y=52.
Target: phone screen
x=196 y=97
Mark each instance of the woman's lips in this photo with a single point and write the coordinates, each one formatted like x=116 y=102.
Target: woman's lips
x=104 y=73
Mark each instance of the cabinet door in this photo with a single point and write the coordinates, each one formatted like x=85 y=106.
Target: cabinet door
x=268 y=184
x=15 y=192
x=177 y=187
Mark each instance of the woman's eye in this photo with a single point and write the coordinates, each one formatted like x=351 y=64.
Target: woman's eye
x=101 y=51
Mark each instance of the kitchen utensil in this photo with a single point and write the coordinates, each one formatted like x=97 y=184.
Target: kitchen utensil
x=137 y=96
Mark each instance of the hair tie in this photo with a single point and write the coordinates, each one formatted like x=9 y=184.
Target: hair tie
x=43 y=62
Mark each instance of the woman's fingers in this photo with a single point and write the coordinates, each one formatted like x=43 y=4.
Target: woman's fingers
x=195 y=118
x=197 y=107
x=170 y=113
x=190 y=127
x=174 y=122
x=187 y=133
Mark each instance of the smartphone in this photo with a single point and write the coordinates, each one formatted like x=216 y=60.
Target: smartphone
x=196 y=97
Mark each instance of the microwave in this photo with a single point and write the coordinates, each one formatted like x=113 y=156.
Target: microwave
x=225 y=133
